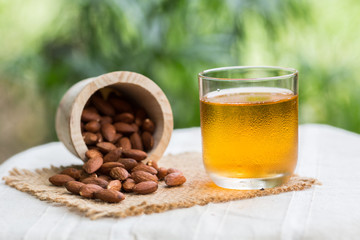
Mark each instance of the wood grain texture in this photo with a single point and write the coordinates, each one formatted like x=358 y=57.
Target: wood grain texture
x=137 y=87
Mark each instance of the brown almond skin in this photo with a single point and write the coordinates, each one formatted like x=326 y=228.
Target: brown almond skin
x=162 y=172
x=60 y=179
x=92 y=126
x=124 y=128
x=97 y=181
x=119 y=173
x=117 y=138
x=106 y=167
x=89 y=190
x=90 y=138
x=136 y=154
x=88 y=115
x=106 y=119
x=100 y=138
x=120 y=105
x=74 y=186
x=174 y=179
x=72 y=172
x=128 y=185
x=105 y=147
x=108 y=131
x=128 y=163
x=153 y=164
x=145 y=168
x=148 y=125
x=102 y=105
x=145 y=187
x=114 y=185
x=92 y=153
x=105 y=177
x=141 y=176
x=124 y=143
x=136 y=127
x=147 y=140
x=136 y=141
x=174 y=170
x=113 y=155
x=109 y=196
x=93 y=164
x=124 y=117
x=138 y=121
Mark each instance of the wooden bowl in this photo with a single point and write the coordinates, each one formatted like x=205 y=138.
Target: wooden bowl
x=135 y=86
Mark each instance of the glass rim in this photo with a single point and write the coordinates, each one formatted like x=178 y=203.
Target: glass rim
x=291 y=73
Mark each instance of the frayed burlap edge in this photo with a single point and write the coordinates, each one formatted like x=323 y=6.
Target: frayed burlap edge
x=198 y=190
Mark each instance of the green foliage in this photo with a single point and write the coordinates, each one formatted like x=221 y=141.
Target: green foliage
x=171 y=41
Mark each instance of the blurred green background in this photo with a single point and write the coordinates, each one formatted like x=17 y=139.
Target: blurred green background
x=47 y=46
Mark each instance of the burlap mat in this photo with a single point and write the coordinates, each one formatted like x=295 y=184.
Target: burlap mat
x=198 y=190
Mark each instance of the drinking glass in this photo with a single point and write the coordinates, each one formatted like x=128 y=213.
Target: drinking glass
x=249 y=125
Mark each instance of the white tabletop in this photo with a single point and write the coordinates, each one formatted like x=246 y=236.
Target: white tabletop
x=329 y=211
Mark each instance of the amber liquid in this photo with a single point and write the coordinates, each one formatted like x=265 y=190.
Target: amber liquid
x=250 y=134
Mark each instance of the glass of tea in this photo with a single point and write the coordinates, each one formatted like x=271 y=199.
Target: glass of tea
x=249 y=125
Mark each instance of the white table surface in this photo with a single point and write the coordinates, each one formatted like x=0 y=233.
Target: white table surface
x=330 y=211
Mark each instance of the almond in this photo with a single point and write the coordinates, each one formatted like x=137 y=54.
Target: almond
x=147 y=140
x=120 y=105
x=74 y=186
x=108 y=131
x=128 y=185
x=174 y=179
x=153 y=164
x=117 y=138
x=110 y=196
x=100 y=138
x=162 y=172
x=136 y=127
x=105 y=177
x=72 y=172
x=114 y=185
x=124 y=128
x=145 y=187
x=97 y=181
x=92 y=153
x=113 y=155
x=60 y=179
x=88 y=115
x=148 y=125
x=124 y=143
x=119 y=173
x=128 y=163
x=174 y=170
x=93 y=164
x=102 y=105
x=105 y=147
x=89 y=190
x=92 y=126
x=136 y=154
x=106 y=167
x=136 y=141
x=89 y=138
x=124 y=117
x=145 y=168
x=105 y=119
x=141 y=176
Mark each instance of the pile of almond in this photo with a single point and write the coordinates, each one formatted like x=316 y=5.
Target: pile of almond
x=117 y=134
x=116 y=122
x=109 y=180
